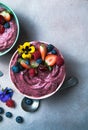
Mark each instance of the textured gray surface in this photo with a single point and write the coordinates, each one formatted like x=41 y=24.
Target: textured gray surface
x=63 y=23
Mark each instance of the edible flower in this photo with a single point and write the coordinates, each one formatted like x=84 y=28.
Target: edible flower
x=26 y=50
x=6 y=94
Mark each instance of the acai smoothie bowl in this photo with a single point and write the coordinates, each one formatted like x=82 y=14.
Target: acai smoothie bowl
x=9 y=29
x=37 y=69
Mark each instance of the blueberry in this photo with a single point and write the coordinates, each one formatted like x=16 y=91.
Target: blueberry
x=7 y=25
x=50 y=47
x=8 y=114
x=27 y=62
x=28 y=101
x=54 y=52
x=39 y=61
x=19 y=119
x=1 y=118
x=15 y=69
x=1 y=110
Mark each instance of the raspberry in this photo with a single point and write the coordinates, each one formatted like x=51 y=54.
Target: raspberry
x=36 y=55
x=60 y=61
x=2 y=29
x=32 y=72
x=2 y=20
x=10 y=103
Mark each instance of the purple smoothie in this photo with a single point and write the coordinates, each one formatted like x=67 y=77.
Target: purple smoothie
x=44 y=84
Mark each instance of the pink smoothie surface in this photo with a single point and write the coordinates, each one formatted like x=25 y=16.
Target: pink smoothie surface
x=43 y=84
x=8 y=37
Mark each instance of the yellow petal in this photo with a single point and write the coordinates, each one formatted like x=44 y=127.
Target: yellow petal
x=26 y=56
x=20 y=49
x=26 y=44
x=32 y=49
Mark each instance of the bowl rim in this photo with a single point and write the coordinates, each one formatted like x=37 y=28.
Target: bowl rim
x=18 y=28
x=32 y=97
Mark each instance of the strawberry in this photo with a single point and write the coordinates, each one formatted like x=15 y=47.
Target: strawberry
x=60 y=61
x=6 y=15
x=51 y=59
x=2 y=29
x=24 y=63
x=36 y=55
x=10 y=103
x=43 y=51
x=2 y=20
x=32 y=72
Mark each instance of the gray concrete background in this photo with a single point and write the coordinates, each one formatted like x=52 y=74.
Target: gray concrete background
x=63 y=23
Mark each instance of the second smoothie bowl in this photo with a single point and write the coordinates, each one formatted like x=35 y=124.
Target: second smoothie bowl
x=9 y=29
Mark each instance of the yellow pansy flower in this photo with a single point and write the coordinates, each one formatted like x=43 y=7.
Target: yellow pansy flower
x=26 y=50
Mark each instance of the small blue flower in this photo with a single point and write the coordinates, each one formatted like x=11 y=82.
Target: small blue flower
x=6 y=94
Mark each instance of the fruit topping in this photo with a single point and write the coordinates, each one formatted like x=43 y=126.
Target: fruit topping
x=24 y=63
x=50 y=47
x=7 y=25
x=60 y=61
x=34 y=64
x=54 y=51
x=43 y=67
x=39 y=61
x=2 y=29
x=51 y=59
x=36 y=55
x=2 y=20
x=15 y=69
x=6 y=15
x=32 y=72
x=43 y=51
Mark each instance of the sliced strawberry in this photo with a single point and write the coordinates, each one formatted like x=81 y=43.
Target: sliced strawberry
x=51 y=59
x=43 y=51
x=2 y=20
x=2 y=29
x=24 y=63
x=6 y=15
x=60 y=61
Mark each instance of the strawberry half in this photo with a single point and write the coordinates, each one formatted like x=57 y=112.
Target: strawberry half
x=51 y=59
x=6 y=15
x=43 y=51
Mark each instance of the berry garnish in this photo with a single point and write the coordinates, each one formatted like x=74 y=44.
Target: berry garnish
x=8 y=114
x=36 y=55
x=7 y=25
x=19 y=119
x=60 y=61
x=24 y=63
x=15 y=69
x=10 y=103
x=50 y=47
x=43 y=51
x=54 y=51
x=2 y=29
x=32 y=72
x=2 y=20
x=51 y=59
x=6 y=15
x=39 y=61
